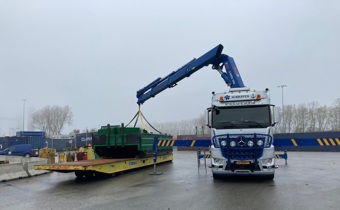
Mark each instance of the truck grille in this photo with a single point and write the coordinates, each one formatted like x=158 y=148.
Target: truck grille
x=242 y=147
x=242 y=153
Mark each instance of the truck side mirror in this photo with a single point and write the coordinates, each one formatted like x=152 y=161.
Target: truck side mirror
x=277 y=115
x=207 y=117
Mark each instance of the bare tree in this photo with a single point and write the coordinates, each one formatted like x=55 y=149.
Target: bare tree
x=93 y=129
x=322 y=118
x=301 y=118
x=74 y=131
x=52 y=119
x=182 y=127
x=334 y=115
x=199 y=123
x=39 y=120
x=60 y=116
x=311 y=115
x=290 y=111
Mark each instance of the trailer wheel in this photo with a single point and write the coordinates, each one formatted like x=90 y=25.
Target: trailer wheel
x=90 y=175
x=79 y=174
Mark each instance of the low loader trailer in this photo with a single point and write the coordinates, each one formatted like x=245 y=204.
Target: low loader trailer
x=103 y=167
x=115 y=149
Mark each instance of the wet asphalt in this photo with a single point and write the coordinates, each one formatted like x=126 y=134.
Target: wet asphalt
x=311 y=180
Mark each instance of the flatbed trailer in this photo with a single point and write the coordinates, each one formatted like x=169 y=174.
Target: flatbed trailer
x=93 y=168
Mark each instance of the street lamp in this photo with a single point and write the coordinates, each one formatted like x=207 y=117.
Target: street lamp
x=23 y=115
x=283 y=114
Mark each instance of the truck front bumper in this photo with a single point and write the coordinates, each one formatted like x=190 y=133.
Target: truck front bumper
x=260 y=167
x=263 y=172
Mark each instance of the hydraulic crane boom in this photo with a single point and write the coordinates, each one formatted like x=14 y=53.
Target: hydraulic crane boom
x=214 y=57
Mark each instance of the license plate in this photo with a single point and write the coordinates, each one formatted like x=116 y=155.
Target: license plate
x=243 y=162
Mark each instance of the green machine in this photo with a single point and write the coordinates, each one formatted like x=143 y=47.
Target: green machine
x=117 y=141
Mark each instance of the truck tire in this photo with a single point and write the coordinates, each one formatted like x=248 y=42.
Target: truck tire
x=270 y=177
x=216 y=176
x=27 y=155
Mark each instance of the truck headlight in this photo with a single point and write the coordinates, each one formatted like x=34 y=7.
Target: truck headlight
x=218 y=161
x=232 y=144
x=259 y=142
x=250 y=143
x=223 y=143
x=268 y=162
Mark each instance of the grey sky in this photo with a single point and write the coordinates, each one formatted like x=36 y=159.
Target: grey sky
x=95 y=55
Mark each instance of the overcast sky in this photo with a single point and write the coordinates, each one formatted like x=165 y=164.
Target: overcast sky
x=94 y=55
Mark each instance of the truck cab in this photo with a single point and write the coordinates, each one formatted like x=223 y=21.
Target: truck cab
x=241 y=123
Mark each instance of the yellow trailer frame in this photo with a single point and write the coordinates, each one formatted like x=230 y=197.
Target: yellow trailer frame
x=104 y=166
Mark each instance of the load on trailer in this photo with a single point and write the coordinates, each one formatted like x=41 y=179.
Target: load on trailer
x=241 y=121
x=116 y=149
x=127 y=142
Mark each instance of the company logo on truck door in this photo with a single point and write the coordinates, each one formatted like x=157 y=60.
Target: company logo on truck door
x=240 y=97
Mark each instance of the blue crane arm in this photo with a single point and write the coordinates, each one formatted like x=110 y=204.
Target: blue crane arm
x=214 y=57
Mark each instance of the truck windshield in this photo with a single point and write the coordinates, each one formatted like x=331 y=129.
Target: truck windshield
x=241 y=117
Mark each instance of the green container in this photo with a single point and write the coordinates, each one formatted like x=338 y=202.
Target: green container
x=128 y=142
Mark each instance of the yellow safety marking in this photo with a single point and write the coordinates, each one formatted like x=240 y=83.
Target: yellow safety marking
x=320 y=142
x=332 y=142
x=192 y=143
x=165 y=143
x=294 y=142
x=277 y=157
x=337 y=141
x=326 y=142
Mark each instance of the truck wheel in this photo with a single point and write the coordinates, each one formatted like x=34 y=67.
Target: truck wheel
x=216 y=176
x=270 y=177
x=27 y=155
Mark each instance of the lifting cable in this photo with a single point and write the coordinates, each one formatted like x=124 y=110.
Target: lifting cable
x=140 y=115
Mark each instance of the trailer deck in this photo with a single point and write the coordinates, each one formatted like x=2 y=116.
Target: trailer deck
x=104 y=166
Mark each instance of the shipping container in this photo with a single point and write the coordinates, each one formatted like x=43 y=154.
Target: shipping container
x=3 y=143
x=58 y=144
x=84 y=139
x=37 y=142
x=31 y=133
x=16 y=140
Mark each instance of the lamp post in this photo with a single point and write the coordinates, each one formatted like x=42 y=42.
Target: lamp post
x=283 y=114
x=23 y=115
